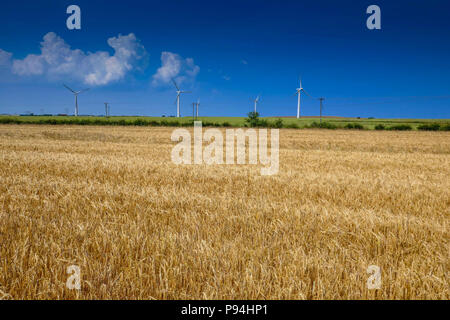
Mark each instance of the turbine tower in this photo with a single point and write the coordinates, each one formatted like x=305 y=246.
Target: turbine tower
x=179 y=92
x=256 y=102
x=76 y=93
x=299 y=93
x=198 y=104
x=106 y=109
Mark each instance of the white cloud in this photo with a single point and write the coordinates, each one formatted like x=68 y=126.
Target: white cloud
x=58 y=60
x=173 y=66
x=5 y=58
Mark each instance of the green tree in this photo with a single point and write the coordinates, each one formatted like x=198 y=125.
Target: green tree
x=252 y=119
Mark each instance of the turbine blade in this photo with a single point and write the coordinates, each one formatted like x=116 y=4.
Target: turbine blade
x=186 y=91
x=84 y=90
x=69 y=88
x=307 y=93
x=176 y=86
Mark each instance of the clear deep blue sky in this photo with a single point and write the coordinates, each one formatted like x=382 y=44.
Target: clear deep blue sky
x=242 y=48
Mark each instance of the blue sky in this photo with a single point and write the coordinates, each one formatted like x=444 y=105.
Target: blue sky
x=226 y=52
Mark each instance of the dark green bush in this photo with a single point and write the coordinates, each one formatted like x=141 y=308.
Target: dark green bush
x=292 y=126
x=226 y=124
x=380 y=127
x=322 y=125
x=263 y=123
x=356 y=126
x=277 y=123
x=140 y=122
x=153 y=123
x=252 y=119
x=175 y=123
x=401 y=127
x=429 y=127
x=7 y=120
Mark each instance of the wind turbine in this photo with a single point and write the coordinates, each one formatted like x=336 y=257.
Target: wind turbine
x=179 y=92
x=256 y=101
x=76 y=93
x=299 y=93
x=107 y=108
x=198 y=105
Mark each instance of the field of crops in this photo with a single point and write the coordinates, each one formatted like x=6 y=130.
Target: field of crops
x=109 y=200
x=333 y=122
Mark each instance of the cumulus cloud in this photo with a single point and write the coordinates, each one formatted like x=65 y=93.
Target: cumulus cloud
x=173 y=66
x=57 y=60
x=5 y=58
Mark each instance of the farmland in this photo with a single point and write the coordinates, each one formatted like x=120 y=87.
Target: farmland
x=109 y=200
x=289 y=122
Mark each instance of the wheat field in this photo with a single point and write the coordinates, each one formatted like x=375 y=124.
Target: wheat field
x=109 y=200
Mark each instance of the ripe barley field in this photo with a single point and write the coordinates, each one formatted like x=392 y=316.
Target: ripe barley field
x=109 y=200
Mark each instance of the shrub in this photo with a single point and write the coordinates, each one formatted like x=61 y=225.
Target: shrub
x=207 y=124
x=278 y=123
x=153 y=123
x=380 y=127
x=292 y=126
x=174 y=123
x=356 y=126
x=263 y=123
x=429 y=127
x=252 y=119
x=8 y=120
x=401 y=127
x=226 y=124
x=140 y=122
x=321 y=125
x=100 y=122
x=446 y=127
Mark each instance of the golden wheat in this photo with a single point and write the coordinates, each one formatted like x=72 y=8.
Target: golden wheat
x=109 y=200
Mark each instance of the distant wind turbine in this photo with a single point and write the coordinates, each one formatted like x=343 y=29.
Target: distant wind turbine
x=256 y=101
x=299 y=93
x=76 y=93
x=198 y=105
x=107 y=108
x=179 y=92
